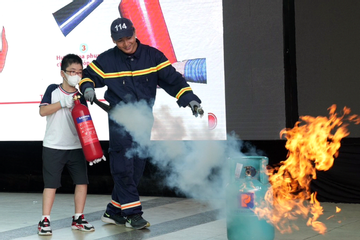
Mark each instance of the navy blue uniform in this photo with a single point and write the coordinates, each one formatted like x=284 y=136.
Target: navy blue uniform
x=131 y=78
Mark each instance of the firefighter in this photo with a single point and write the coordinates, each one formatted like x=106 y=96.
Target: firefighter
x=131 y=71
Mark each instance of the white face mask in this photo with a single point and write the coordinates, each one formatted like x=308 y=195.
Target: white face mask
x=72 y=80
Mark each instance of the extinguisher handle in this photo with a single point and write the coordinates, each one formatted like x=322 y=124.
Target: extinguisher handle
x=103 y=106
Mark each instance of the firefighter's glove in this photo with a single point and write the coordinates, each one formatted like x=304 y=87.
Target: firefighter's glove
x=89 y=95
x=97 y=160
x=67 y=102
x=196 y=108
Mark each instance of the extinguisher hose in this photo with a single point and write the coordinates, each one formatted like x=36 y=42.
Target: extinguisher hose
x=102 y=105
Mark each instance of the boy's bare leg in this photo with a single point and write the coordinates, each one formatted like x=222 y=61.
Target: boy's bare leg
x=80 y=197
x=48 y=200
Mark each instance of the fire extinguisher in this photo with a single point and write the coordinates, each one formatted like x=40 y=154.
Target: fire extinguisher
x=86 y=131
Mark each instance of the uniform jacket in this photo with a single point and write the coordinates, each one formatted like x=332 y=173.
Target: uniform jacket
x=136 y=77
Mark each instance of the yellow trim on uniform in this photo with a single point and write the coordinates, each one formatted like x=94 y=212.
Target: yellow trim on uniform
x=128 y=73
x=86 y=80
x=116 y=204
x=164 y=64
x=182 y=91
x=125 y=206
x=130 y=205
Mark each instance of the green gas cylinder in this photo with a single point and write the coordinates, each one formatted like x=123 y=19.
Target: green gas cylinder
x=248 y=184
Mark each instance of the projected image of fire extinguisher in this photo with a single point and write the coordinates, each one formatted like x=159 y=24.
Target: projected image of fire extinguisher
x=87 y=133
x=3 y=49
x=71 y=15
x=151 y=29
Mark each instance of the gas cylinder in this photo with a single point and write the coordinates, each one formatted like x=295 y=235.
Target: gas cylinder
x=248 y=184
x=86 y=131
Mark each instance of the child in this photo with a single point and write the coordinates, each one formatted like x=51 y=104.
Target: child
x=61 y=145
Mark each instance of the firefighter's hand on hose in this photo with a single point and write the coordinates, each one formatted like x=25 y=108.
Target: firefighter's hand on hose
x=196 y=108
x=67 y=102
x=97 y=160
x=89 y=95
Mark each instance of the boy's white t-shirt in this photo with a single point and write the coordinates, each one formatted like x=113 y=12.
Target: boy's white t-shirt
x=60 y=128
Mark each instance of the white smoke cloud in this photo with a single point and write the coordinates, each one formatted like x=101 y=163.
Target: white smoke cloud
x=137 y=119
x=198 y=169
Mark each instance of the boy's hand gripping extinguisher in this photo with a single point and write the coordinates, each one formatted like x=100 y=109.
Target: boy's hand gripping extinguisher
x=86 y=132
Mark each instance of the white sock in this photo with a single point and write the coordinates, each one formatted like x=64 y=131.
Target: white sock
x=76 y=216
x=45 y=216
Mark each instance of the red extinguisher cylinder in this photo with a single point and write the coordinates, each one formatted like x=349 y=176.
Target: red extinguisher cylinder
x=86 y=132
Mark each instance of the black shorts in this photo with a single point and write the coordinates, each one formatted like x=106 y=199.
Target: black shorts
x=55 y=160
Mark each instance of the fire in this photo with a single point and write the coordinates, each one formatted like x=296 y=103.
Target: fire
x=312 y=145
x=338 y=209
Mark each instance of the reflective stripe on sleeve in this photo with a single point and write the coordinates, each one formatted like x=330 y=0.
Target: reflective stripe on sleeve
x=86 y=80
x=182 y=91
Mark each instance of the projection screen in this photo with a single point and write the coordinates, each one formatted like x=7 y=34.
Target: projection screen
x=35 y=35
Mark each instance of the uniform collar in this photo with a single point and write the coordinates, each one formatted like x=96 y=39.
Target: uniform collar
x=136 y=54
x=138 y=49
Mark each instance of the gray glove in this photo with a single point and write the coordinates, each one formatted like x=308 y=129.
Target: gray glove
x=89 y=95
x=67 y=102
x=196 y=108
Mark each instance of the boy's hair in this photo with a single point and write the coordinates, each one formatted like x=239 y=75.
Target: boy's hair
x=70 y=59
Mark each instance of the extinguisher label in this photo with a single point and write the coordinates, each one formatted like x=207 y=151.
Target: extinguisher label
x=247 y=200
x=83 y=119
x=87 y=129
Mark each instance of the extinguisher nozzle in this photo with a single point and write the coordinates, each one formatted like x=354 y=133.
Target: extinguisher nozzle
x=97 y=160
x=102 y=105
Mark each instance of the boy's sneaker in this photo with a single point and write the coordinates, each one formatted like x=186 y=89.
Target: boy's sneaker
x=44 y=227
x=81 y=224
x=113 y=219
x=136 y=221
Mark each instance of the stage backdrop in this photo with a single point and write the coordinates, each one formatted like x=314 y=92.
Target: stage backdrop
x=254 y=68
x=242 y=37
x=327 y=56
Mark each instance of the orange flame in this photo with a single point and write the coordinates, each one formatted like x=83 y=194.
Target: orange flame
x=312 y=145
x=338 y=209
